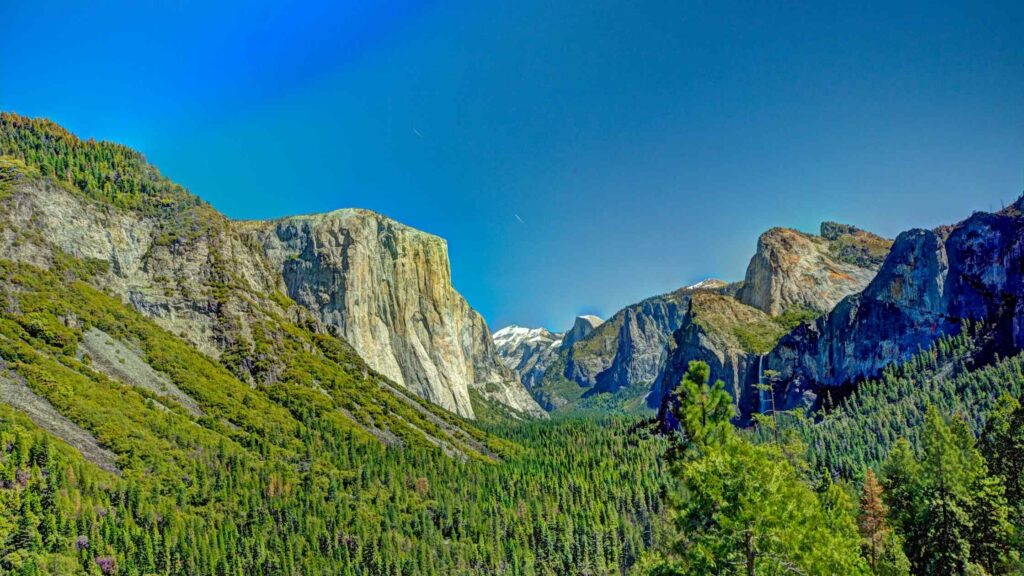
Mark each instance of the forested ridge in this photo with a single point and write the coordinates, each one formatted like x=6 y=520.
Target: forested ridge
x=943 y=498
x=268 y=481
x=854 y=432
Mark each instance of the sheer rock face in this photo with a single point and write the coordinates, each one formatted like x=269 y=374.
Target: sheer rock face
x=387 y=289
x=930 y=282
x=392 y=295
x=714 y=332
x=628 y=349
x=792 y=269
x=581 y=328
x=528 y=351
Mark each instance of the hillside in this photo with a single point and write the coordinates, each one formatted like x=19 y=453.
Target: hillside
x=209 y=280
x=166 y=407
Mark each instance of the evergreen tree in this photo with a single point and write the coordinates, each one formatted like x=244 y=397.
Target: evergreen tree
x=743 y=508
x=951 y=512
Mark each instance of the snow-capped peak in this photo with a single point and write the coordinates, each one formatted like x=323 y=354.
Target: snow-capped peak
x=511 y=336
x=706 y=284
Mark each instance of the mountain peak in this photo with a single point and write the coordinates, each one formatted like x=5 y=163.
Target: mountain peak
x=707 y=284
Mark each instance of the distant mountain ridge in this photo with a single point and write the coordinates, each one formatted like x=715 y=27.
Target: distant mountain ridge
x=793 y=276
x=528 y=351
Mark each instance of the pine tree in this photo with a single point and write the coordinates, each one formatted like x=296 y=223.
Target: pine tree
x=744 y=509
x=952 y=513
x=871 y=520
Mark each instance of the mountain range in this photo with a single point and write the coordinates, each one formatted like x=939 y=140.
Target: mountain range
x=185 y=393
x=643 y=349
x=819 y=311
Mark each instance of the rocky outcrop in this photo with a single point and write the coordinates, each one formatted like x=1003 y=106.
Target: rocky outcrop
x=528 y=351
x=387 y=290
x=793 y=270
x=626 y=350
x=792 y=276
x=581 y=328
x=200 y=282
x=726 y=334
x=930 y=283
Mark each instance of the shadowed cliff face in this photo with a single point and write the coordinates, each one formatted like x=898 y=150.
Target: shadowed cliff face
x=628 y=349
x=581 y=328
x=726 y=334
x=929 y=284
x=387 y=289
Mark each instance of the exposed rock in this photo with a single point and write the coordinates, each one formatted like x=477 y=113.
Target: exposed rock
x=581 y=328
x=387 y=290
x=791 y=277
x=795 y=270
x=726 y=334
x=528 y=351
x=929 y=284
x=15 y=392
x=206 y=279
x=180 y=282
x=122 y=362
x=626 y=350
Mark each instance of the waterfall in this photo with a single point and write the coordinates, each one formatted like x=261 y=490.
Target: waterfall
x=764 y=396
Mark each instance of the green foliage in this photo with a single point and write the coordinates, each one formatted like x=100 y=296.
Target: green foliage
x=703 y=411
x=555 y=391
x=111 y=173
x=858 y=432
x=49 y=329
x=12 y=172
x=758 y=339
x=289 y=477
x=744 y=508
x=101 y=171
x=795 y=316
x=751 y=329
x=853 y=246
x=1002 y=446
x=943 y=501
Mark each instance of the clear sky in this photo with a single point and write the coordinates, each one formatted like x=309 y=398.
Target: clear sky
x=577 y=155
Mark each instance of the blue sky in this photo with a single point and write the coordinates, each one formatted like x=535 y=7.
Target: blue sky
x=578 y=156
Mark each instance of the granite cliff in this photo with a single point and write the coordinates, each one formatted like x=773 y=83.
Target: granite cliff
x=226 y=287
x=791 y=269
x=792 y=278
x=386 y=288
x=931 y=282
x=623 y=352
